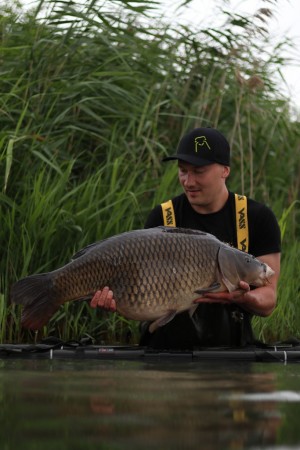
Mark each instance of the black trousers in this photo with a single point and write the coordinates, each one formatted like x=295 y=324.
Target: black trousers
x=212 y=325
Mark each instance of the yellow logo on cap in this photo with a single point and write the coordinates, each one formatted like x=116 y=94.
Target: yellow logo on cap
x=200 y=141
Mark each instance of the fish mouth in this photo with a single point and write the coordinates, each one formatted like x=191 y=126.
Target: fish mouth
x=268 y=273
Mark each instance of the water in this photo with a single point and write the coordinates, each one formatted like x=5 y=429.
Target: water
x=92 y=404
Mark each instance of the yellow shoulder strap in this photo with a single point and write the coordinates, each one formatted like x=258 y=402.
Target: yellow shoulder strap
x=242 y=222
x=168 y=214
x=241 y=219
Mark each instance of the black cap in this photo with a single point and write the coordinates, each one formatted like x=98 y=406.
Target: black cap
x=203 y=146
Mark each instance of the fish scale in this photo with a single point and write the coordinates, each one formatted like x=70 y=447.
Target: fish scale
x=154 y=274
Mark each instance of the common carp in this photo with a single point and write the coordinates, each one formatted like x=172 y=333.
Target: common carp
x=154 y=273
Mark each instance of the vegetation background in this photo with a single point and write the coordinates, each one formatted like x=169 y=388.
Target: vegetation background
x=93 y=95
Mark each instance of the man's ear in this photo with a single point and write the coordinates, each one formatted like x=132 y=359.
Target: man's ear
x=226 y=171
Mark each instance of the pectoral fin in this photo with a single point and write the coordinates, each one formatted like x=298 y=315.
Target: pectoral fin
x=211 y=288
x=192 y=310
x=162 y=320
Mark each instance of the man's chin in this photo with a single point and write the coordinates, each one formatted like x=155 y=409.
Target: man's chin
x=194 y=197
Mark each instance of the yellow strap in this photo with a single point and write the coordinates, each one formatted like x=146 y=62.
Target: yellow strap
x=168 y=214
x=241 y=219
x=242 y=222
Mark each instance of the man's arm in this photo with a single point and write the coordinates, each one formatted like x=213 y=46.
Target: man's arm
x=260 y=301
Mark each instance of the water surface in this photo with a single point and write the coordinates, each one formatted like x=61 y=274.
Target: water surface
x=92 y=404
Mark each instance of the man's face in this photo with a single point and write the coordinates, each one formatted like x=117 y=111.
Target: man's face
x=202 y=185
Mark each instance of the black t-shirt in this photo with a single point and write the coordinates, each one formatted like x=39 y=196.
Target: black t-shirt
x=215 y=324
x=264 y=233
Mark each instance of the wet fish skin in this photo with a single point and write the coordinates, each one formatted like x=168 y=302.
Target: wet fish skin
x=154 y=274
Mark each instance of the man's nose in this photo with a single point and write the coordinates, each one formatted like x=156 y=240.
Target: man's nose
x=189 y=179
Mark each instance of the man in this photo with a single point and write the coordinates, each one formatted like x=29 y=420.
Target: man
x=221 y=319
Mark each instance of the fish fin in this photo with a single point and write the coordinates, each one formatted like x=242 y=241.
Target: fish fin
x=212 y=287
x=86 y=249
x=162 y=320
x=227 y=269
x=178 y=230
x=37 y=295
x=192 y=310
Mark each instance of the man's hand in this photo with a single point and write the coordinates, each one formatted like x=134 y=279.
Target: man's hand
x=104 y=299
x=239 y=296
x=260 y=301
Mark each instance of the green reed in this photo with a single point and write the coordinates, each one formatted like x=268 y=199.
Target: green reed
x=92 y=101
x=284 y=324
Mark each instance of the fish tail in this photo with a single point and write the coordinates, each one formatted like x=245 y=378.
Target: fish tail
x=39 y=298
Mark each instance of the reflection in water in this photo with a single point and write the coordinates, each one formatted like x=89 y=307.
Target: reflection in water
x=134 y=405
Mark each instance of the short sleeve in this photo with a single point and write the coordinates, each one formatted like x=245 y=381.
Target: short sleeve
x=265 y=237
x=155 y=218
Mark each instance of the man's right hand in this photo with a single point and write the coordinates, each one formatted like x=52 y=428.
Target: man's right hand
x=104 y=299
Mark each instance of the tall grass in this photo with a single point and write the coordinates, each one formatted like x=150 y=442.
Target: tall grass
x=92 y=101
x=283 y=324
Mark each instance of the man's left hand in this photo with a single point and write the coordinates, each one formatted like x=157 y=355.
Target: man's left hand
x=240 y=295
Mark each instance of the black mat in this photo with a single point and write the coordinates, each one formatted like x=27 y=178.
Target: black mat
x=53 y=348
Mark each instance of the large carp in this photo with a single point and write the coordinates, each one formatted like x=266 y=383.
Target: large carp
x=154 y=273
